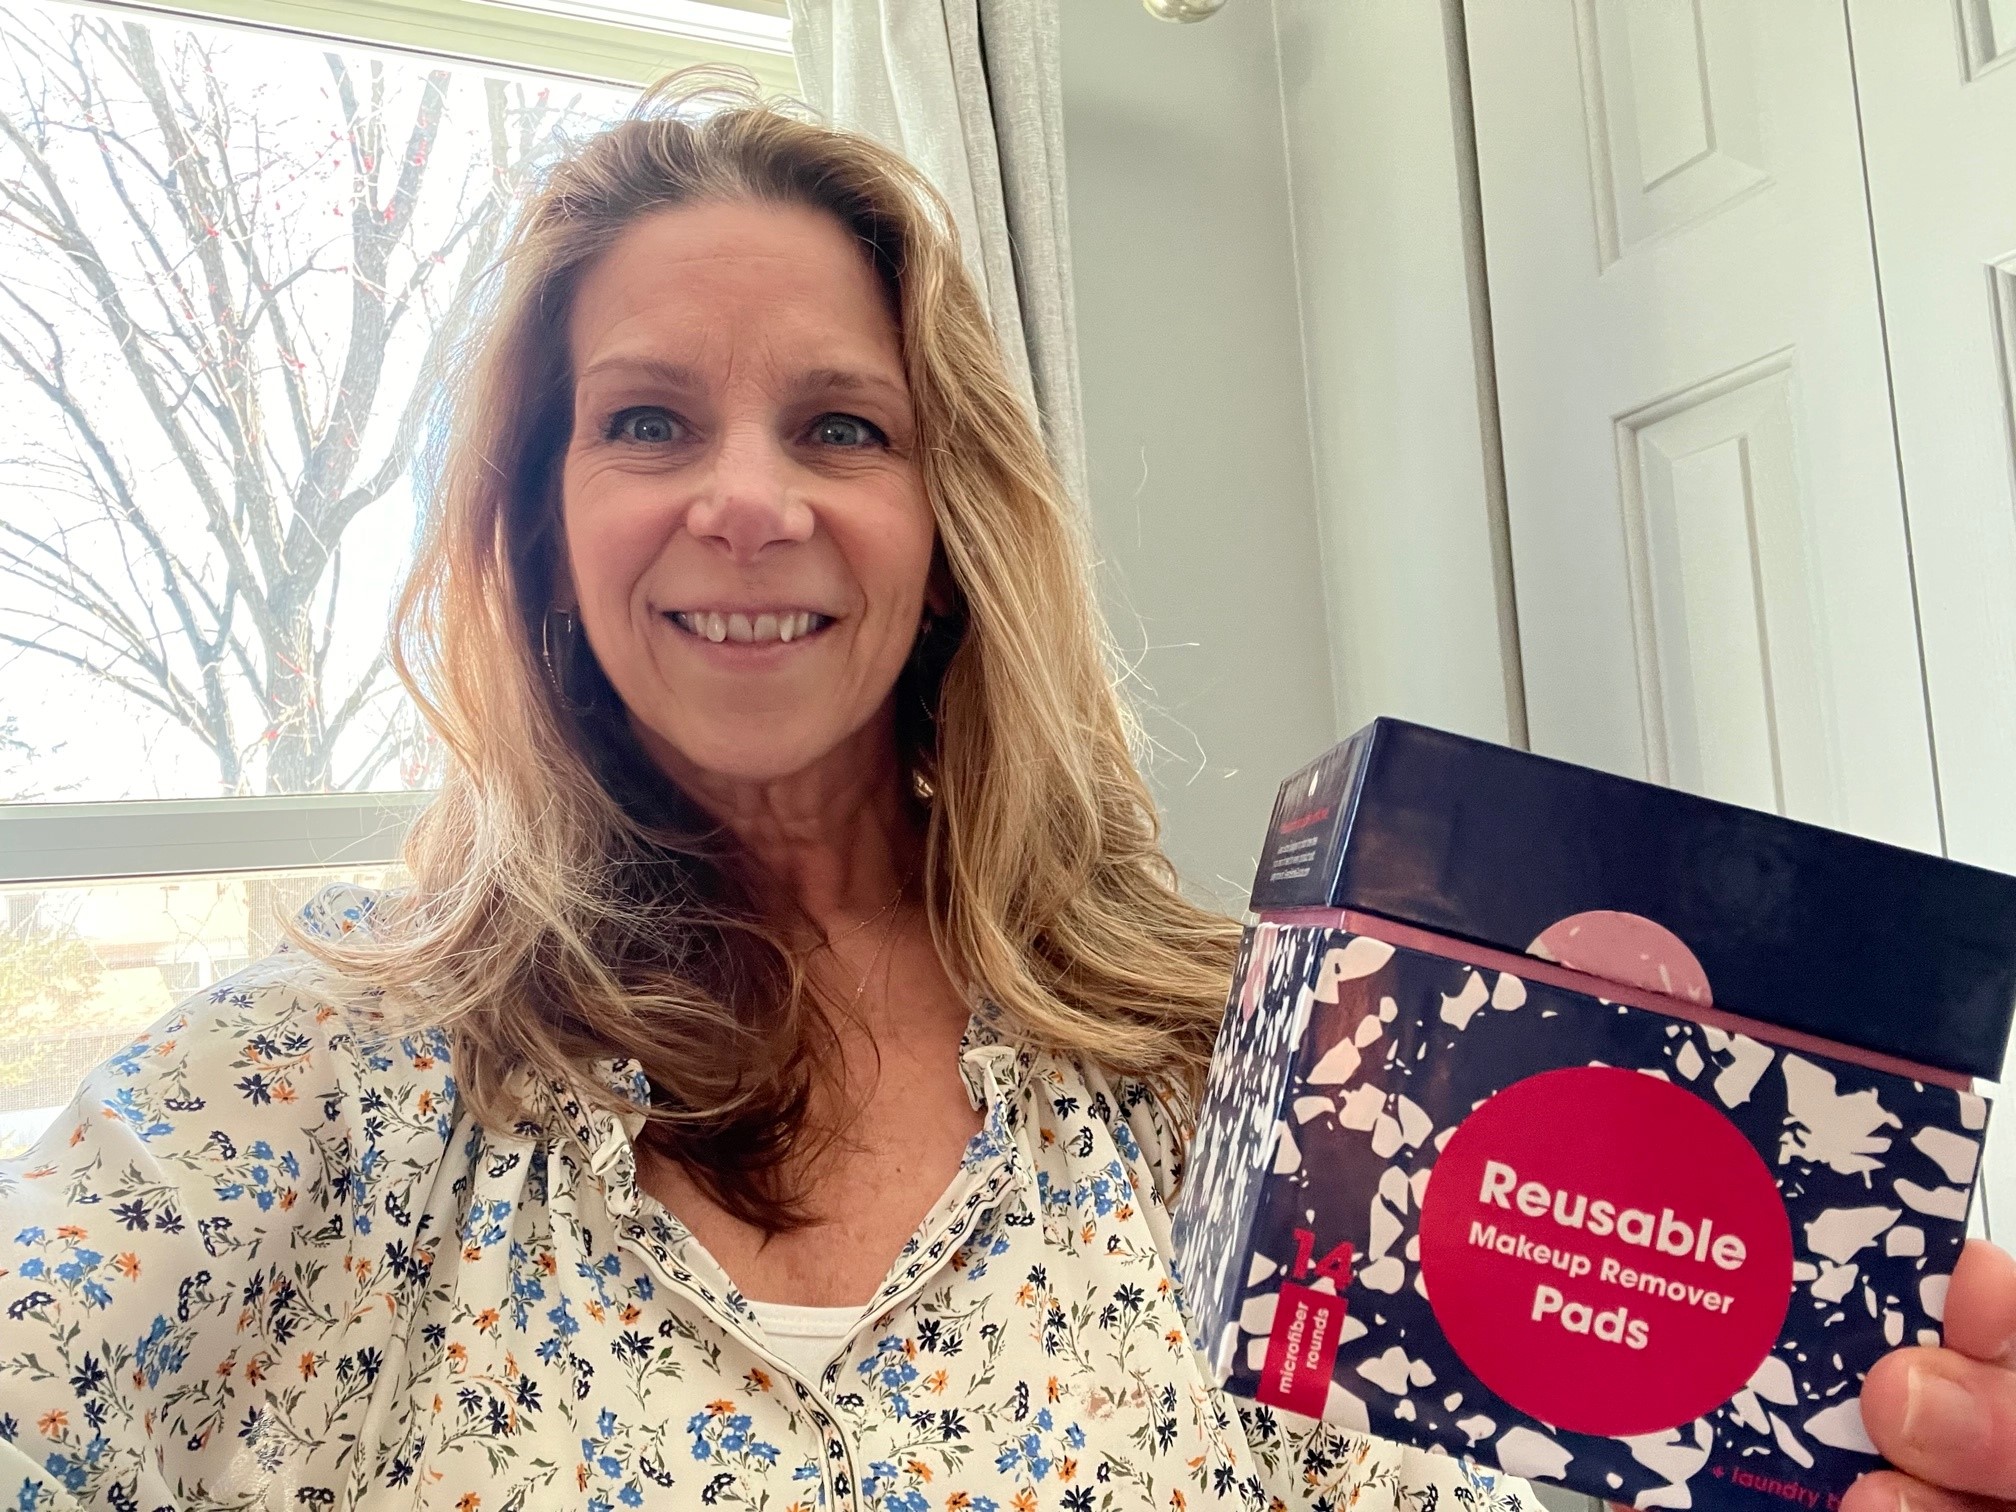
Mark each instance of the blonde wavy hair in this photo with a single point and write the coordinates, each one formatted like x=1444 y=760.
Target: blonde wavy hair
x=569 y=903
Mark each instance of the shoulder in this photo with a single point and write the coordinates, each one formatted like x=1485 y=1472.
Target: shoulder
x=224 y=1195
x=1148 y=1126
x=276 y=1091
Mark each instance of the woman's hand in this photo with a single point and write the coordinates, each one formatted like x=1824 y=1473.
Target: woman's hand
x=1946 y=1418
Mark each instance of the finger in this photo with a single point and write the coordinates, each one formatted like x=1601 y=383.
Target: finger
x=1980 y=1309
x=1891 y=1491
x=1948 y=1420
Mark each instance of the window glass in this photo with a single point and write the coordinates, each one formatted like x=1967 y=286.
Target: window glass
x=83 y=969
x=236 y=265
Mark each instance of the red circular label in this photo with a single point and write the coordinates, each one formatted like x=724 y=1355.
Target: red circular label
x=1605 y=1251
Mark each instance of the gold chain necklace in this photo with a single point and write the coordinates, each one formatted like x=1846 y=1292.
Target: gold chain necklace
x=881 y=947
x=847 y=934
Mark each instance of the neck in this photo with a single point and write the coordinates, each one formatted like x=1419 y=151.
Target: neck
x=836 y=839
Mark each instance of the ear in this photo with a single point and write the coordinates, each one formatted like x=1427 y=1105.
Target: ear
x=562 y=596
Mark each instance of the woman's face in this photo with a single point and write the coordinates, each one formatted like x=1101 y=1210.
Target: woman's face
x=747 y=531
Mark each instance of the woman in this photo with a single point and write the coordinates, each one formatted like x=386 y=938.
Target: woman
x=770 y=1090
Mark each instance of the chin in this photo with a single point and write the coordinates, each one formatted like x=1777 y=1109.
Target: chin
x=741 y=751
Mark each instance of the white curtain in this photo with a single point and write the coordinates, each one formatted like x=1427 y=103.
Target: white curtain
x=968 y=91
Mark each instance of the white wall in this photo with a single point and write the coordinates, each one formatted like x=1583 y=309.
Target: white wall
x=1396 y=332
x=1195 y=413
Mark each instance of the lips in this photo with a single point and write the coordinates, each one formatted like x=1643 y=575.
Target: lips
x=760 y=628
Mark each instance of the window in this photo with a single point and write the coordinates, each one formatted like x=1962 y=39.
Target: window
x=238 y=257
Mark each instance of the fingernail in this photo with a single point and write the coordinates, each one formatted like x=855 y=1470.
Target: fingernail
x=1942 y=1416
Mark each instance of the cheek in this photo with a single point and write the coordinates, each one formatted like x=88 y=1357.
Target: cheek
x=896 y=562
x=608 y=547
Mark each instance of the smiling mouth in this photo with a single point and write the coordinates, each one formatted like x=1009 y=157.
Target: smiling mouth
x=750 y=629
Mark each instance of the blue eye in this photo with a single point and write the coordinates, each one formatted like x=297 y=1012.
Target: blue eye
x=846 y=430
x=647 y=425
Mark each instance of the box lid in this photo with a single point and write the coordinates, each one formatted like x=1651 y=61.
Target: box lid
x=1859 y=942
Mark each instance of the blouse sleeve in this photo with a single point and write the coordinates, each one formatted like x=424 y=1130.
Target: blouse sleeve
x=1303 y=1464
x=1320 y=1467
x=178 y=1255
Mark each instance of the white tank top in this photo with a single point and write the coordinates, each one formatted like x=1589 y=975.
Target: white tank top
x=808 y=1337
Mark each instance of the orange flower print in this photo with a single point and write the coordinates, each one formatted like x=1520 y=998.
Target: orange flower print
x=308 y=1363
x=469 y=1501
x=1024 y=1501
x=72 y=1231
x=758 y=1378
x=919 y=1469
x=52 y=1423
x=935 y=1382
x=486 y=1320
x=128 y=1265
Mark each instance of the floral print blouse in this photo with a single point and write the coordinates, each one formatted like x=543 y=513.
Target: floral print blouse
x=267 y=1260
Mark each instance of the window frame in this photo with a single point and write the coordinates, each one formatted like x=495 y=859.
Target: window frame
x=69 y=843
x=496 y=33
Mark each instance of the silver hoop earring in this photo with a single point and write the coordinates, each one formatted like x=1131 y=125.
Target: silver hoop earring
x=557 y=634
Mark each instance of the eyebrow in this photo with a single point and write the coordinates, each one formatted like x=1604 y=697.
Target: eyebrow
x=848 y=381
x=680 y=375
x=671 y=374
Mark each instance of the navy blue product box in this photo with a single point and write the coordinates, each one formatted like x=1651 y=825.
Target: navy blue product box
x=1593 y=1130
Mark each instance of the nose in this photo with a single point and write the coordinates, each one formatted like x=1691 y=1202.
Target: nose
x=748 y=500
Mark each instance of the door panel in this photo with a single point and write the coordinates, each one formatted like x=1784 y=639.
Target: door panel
x=1939 y=120
x=1708 y=537
x=1723 y=616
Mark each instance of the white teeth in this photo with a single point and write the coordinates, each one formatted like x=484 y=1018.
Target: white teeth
x=746 y=629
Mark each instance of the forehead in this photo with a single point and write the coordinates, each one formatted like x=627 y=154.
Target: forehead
x=701 y=280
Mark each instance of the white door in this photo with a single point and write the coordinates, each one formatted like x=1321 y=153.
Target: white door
x=1708 y=541
x=1938 y=86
